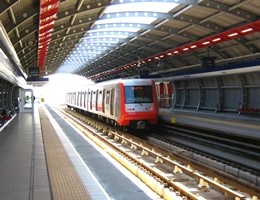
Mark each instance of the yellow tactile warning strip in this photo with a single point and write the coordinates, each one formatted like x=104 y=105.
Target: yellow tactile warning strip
x=65 y=182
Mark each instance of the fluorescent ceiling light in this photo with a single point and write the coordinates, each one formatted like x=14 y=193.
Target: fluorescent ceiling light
x=118 y=25
x=159 y=6
x=123 y=29
x=135 y=20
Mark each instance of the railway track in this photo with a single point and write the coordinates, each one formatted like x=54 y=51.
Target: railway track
x=166 y=174
x=232 y=163
x=237 y=151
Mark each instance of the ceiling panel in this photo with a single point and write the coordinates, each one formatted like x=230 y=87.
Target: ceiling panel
x=183 y=25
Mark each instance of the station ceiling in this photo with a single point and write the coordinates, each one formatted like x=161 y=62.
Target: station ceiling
x=48 y=33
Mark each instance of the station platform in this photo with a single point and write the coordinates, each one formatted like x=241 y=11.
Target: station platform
x=42 y=157
x=242 y=126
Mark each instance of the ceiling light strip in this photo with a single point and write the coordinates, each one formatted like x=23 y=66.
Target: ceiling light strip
x=47 y=17
x=232 y=34
x=116 y=25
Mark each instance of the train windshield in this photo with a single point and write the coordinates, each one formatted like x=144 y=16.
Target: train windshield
x=138 y=94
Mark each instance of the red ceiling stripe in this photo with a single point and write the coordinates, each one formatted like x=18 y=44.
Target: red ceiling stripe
x=46 y=3
x=44 y=39
x=205 y=42
x=47 y=16
x=47 y=21
x=48 y=12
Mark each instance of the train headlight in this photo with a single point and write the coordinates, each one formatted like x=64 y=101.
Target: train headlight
x=130 y=109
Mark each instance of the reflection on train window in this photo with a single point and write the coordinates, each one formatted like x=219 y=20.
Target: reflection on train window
x=138 y=94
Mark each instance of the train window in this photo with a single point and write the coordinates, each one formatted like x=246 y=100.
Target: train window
x=138 y=94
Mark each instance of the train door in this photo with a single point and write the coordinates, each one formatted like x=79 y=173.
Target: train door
x=74 y=98
x=168 y=92
x=112 y=101
x=160 y=93
x=103 y=100
x=117 y=102
x=84 y=99
x=107 y=111
x=90 y=99
x=69 y=98
x=100 y=101
x=96 y=99
x=165 y=94
x=80 y=100
x=77 y=99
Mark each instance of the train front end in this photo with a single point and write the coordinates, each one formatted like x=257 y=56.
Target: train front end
x=140 y=110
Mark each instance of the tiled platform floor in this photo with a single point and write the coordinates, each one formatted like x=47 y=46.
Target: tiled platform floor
x=65 y=182
x=44 y=158
x=34 y=163
x=23 y=172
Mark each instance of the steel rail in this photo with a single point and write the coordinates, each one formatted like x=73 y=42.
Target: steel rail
x=204 y=182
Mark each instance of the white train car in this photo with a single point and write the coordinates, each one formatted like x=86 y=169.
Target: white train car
x=122 y=102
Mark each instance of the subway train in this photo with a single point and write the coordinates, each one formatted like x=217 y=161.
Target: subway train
x=126 y=103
